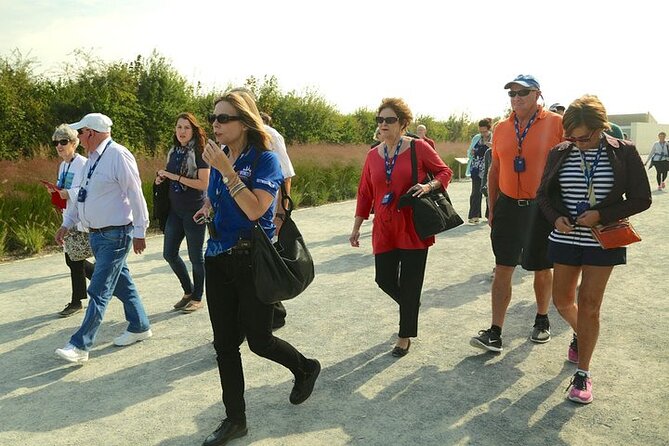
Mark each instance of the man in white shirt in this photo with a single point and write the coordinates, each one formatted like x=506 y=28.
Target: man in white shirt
x=278 y=145
x=111 y=205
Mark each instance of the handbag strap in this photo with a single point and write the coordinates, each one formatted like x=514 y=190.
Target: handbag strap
x=285 y=197
x=414 y=162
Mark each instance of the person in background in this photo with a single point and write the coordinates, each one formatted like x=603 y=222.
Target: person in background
x=188 y=175
x=376 y=138
x=590 y=179
x=659 y=157
x=519 y=231
x=110 y=203
x=421 y=131
x=400 y=255
x=69 y=177
x=557 y=108
x=481 y=143
x=243 y=186
x=615 y=131
x=278 y=145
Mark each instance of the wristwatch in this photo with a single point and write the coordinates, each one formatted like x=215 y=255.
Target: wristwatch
x=225 y=180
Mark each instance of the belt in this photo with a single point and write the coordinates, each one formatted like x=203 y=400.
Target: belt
x=108 y=228
x=524 y=202
x=243 y=247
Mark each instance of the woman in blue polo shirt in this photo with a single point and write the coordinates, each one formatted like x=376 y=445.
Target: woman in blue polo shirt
x=245 y=178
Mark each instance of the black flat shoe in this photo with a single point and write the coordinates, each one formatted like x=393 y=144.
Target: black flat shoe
x=226 y=431
x=398 y=352
x=304 y=385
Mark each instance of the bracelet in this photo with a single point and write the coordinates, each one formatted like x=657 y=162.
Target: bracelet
x=237 y=189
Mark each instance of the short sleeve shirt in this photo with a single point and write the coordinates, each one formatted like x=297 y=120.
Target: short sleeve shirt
x=230 y=222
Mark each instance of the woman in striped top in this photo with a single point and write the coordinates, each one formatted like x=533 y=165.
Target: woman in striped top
x=590 y=179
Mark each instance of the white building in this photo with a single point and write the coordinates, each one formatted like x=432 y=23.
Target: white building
x=640 y=128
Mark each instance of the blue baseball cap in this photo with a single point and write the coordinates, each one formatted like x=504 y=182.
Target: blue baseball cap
x=524 y=80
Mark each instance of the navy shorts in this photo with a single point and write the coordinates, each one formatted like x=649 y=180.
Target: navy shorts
x=520 y=234
x=575 y=255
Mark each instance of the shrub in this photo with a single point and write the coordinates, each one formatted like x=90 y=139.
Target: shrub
x=31 y=237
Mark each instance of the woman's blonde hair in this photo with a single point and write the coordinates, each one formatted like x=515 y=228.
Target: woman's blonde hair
x=250 y=118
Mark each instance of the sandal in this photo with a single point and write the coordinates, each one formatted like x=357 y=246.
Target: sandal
x=193 y=305
x=183 y=302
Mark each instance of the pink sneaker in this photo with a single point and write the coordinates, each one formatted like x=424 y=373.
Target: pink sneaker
x=581 y=389
x=572 y=354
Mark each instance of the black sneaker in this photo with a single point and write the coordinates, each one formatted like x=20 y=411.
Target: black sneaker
x=541 y=332
x=304 y=384
x=487 y=340
x=70 y=309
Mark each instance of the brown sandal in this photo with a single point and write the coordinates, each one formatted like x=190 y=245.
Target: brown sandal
x=183 y=302
x=193 y=305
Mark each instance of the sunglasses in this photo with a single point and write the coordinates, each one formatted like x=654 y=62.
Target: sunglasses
x=222 y=118
x=388 y=120
x=521 y=93
x=62 y=142
x=580 y=138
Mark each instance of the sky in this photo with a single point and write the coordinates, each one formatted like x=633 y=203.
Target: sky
x=443 y=58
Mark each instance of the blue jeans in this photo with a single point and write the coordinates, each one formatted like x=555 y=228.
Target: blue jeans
x=180 y=224
x=111 y=277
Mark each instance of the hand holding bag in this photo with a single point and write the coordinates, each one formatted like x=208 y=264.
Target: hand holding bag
x=282 y=270
x=615 y=235
x=77 y=245
x=432 y=212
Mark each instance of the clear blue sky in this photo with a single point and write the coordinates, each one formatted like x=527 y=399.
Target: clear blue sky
x=441 y=57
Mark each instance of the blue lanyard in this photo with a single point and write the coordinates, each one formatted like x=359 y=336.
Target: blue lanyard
x=390 y=165
x=589 y=170
x=95 y=164
x=520 y=138
x=61 y=180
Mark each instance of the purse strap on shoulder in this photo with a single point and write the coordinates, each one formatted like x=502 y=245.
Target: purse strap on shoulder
x=414 y=161
x=286 y=202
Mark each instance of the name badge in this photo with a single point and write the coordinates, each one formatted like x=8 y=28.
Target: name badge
x=519 y=164
x=387 y=198
x=81 y=196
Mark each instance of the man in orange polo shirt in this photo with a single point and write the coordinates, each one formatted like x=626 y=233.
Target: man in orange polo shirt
x=519 y=231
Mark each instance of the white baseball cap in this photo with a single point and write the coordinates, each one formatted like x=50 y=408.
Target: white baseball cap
x=94 y=121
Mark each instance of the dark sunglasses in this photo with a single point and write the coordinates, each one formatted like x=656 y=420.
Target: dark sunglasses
x=222 y=118
x=521 y=93
x=580 y=138
x=62 y=142
x=388 y=120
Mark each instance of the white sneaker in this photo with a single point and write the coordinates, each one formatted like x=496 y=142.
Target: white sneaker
x=129 y=338
x=72 y=354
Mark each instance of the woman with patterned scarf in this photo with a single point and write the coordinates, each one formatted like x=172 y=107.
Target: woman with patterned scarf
x=188 y=175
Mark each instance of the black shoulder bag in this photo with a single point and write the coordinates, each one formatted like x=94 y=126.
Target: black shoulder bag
x=432 y=212
x=282 y=270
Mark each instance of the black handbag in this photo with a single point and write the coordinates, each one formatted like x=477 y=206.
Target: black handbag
x=282 y=270
x=161 y=202
x=432 y=212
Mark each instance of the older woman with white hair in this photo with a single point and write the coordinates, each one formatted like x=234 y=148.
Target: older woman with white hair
x=66 y=141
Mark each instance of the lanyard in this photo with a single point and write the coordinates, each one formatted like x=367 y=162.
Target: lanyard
x=390 y=165
x=95 y=164
x=589 y=172
x=61 y=180
x=520 y=138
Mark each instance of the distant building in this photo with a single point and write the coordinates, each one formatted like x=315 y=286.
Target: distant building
x=641 y=128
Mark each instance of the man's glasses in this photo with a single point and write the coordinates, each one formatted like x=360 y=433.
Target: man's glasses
x=580 y=138
x=222 y=118
x=61 y=142
x=388 y=120
x=522 y=93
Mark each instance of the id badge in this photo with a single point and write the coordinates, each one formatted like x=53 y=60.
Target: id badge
x=519 y=164
x=81 y=196
x=581 y=207
x=387 y=198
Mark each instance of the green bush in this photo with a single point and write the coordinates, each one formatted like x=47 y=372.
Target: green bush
x=31 y=237
x=315 y=185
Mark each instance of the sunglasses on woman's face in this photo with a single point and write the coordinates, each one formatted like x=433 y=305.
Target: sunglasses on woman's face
x=580 y=138
x=521 y=93
x=388 y=120
x=61 y=142
x=222 y=118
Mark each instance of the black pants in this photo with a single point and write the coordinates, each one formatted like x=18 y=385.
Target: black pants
x=235 y=311
x=79 y=272
x=661 y=168
x=400 y=273
x=475 y=198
